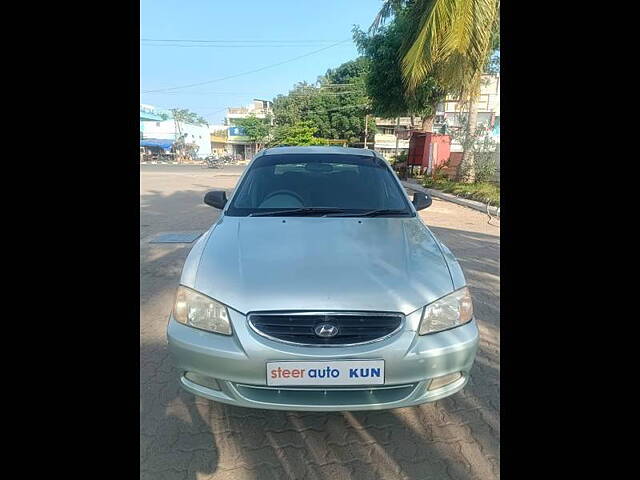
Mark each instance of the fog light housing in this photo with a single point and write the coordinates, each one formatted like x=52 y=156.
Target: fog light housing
x=202 y=380
x=445 y=380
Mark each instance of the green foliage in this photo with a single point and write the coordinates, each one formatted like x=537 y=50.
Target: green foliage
x=480 y=191
x=483 y=146
x=299 y=134
x=258 y=130
x=450 y=39
x=493 y=65
x=384 y=82
x=401 y=157
x=335 y=105
x=185 y=115
x=439 y=172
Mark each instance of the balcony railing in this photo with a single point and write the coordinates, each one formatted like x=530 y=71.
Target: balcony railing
x=244 y=111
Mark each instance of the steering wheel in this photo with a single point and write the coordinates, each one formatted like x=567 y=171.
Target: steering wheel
x=284 y=192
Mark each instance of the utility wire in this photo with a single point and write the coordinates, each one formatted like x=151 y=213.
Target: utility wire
x=225 y=46
x=310 y=88
x=245 y=73
x=180 y=45
x=233 y=41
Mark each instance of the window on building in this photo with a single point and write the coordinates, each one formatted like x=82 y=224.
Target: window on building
x=388 y=131
x=484 y=119
x=157 y=124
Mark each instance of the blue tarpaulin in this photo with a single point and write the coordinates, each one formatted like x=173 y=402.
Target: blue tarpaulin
x=157 y=142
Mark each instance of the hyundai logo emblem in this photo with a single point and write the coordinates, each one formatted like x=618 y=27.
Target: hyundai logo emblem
x=326 y=330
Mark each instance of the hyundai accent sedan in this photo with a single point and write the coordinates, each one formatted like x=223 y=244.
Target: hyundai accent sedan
x=320 y=288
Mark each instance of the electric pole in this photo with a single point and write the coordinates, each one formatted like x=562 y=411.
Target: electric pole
x=366 y=124
x=397 y=130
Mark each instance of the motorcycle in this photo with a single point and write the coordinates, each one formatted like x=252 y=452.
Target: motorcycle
x=211 y=162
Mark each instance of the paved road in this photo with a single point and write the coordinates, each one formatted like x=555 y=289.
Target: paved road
x=231 y=169
x=184 y=437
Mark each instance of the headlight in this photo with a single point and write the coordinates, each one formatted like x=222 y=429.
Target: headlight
x=451 y=311
x=199 y=311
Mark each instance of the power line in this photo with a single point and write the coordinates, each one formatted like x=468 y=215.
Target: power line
x=324 y=94
x=225 y=46
x=207 y=112
x=206 y=93
x=258 y=40
x=246 y=73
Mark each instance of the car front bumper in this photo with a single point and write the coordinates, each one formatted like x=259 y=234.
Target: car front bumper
x=238 y=363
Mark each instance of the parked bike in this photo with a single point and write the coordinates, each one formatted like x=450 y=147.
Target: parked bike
x=211 y=162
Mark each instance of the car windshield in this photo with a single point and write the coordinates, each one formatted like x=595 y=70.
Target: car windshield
x=319 y=185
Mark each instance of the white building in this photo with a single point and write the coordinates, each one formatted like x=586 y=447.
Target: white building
x=452 y=112
x=172 y=130
x=258 y=108
x=238 y=144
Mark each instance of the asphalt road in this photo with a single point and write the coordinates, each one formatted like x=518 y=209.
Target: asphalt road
x=230 y=169
x=184 y=437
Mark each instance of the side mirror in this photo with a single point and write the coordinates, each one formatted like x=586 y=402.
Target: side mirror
x=421 y=200
x=216 y=198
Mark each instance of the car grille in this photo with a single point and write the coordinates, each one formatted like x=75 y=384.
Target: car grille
x=299 y=328
x=319 y=397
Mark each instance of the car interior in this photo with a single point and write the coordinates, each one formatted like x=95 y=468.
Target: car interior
x=320 y=185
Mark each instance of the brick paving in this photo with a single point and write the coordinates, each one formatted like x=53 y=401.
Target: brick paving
x=185 y=437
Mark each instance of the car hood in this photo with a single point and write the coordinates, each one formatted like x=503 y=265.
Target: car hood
x=320 y=263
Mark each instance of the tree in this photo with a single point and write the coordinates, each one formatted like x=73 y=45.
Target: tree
x=336 y=104
x=452 y=40
x=301 y=133
x=186 y=116
x=258 y=130
x=493 y=66
x=384 y=81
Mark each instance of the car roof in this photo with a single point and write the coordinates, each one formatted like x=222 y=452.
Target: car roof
x=319 y=150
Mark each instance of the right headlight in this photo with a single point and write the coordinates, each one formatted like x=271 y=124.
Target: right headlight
x=199 y=311
x=451 y=311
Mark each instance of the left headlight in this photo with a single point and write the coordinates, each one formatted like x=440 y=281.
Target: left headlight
x=199 y=311
x=451 y=311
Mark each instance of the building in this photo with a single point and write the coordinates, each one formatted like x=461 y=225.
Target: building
x=258 y=108
x=453 y=113
x=219 y=137
x=169 y=129
x=147 y=114
x=384 y=142
x=238 y=144
x=450 y=114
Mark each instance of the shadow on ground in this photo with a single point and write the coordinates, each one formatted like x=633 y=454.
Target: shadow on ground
x=185 y=437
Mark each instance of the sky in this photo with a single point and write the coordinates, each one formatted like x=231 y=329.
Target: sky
x=204 y=41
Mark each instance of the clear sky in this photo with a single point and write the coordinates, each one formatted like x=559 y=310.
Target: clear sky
x=241 y=36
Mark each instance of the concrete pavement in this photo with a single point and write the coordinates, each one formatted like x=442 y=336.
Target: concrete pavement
x=184 y=437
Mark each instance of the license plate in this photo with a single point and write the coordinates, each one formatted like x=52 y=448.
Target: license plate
x=335 y=373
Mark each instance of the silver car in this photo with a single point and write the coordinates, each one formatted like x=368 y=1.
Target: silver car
x=320 y=288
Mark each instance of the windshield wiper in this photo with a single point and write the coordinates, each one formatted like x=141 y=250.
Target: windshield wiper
x=298 y=212
x=372 y=213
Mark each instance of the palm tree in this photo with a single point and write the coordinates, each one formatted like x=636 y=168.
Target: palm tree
x=450 y=40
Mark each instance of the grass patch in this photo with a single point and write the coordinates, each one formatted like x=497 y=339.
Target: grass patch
x=481 y=192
